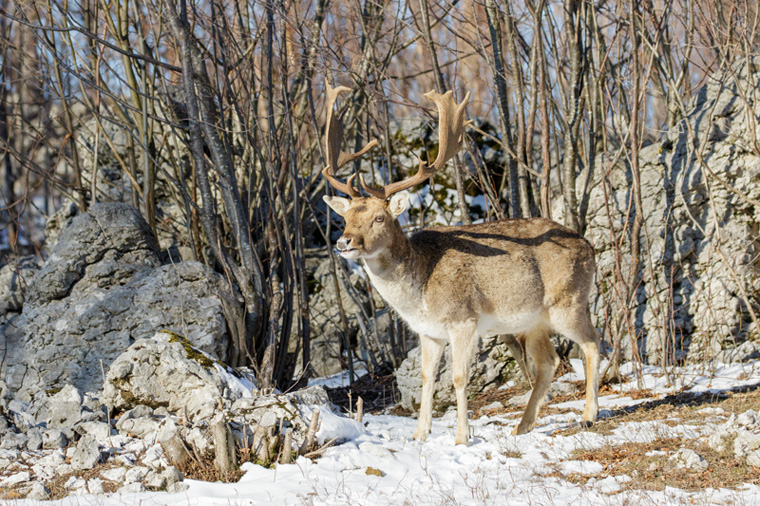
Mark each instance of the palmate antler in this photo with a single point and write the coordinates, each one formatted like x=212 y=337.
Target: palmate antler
x=451 y=125
x=333 y=138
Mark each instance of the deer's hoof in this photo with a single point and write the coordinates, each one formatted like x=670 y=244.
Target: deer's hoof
x=462 y=441
x=520 y=430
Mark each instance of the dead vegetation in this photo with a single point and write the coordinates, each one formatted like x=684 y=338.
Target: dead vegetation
x=649 y=468
x=647 y=463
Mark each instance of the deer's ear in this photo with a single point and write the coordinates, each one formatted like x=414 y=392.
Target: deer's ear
x=338 y=204
x=398 y=203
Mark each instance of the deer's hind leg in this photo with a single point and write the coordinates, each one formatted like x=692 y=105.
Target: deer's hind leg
x=541 y=350
x=576 y=325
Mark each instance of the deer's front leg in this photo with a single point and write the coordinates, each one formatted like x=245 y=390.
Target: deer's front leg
x=431 y=357
x=463 y=344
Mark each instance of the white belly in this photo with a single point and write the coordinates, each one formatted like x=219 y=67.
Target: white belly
x=516 y=323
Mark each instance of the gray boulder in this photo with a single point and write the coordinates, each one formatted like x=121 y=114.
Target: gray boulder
x=15 y=279
x=368 y=329
x=86 y=455
x=166 y=370
x=101 y=289
x=699 y=247
x=492 y=367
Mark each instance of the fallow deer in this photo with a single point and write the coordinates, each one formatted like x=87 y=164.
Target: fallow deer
x=527 y=277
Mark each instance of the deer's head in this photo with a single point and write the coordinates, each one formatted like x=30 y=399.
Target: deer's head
x=372 y=222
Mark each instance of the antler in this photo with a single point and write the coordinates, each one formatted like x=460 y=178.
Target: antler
x=333 y=138
x=451 y=125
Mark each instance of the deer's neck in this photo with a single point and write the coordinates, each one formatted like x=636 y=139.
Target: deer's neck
x=396 y=262
x=396 y=273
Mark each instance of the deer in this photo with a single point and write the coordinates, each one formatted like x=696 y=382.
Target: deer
x=526 y=277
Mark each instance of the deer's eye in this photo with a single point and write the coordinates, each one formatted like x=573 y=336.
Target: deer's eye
x=380 y=218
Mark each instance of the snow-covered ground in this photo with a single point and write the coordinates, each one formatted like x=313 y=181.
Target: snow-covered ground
x=382 y=465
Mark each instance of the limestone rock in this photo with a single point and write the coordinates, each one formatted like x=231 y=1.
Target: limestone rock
x=692 y=254
x=54 y=438
x=136 y=475
x=13 y=440
x=718 y=440
x=167 y=371
x=492 y=367
x=753 y=458
x=34 y=442
x=746 y=442
x=38 y=492
x=102 y=288
x=689 y=459
x=99 y=430
x=15 y=479
x=368 y=332
x=87 y=454
x=15 y=279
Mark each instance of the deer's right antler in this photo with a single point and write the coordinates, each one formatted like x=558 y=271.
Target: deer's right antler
x=451 y=125
x=333 y=138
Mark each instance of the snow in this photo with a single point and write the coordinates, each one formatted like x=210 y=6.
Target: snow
x=379 y=463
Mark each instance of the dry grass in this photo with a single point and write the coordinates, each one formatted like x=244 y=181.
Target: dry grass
x=650 y=469
x=58 y=491
x=202 y=468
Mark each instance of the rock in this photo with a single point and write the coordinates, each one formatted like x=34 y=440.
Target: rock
x=7 y=457
x=176 y=488
x=691 y=293
x=745 y=443
x=137 y=427
x=172 y=475
x=136 y=474
x=42 y=472
x=753 y=458
x=492 y=367
x=370 y=340
x=115 y=474
x=139 y=411
x=167 y=371
x=132 y=488
x=12 y=440
x=87 y=454
x=15 y=479
x=101 y=431
x=718 y=441
x=34 y=442
x=311 y=396
x=127 y=460
x=19 y=415
x=153 y=457
x=63 y=409
x=102 y=288
x=522 y=400
x=155 y=481
x=95 y=486
x=54 y=459
x=75 y=483
x=748 y=420
x=689 y=459
x=15 y=279
x=38 y=492
x=746 y=351
x=54 y=438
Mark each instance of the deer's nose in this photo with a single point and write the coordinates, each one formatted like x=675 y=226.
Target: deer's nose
x=345 y=242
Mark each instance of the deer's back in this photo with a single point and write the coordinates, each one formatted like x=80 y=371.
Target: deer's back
x=510 y=270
